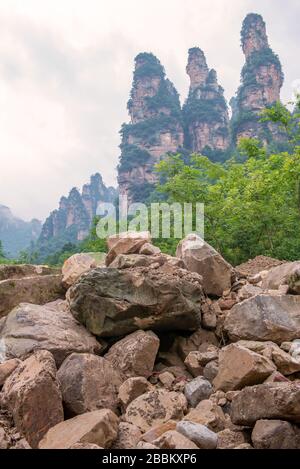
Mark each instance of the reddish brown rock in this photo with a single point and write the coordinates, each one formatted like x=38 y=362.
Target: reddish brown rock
x=128 y=436
x=50 y=327
x=131 y=389
x=99 y=427
x=129 y=242
x=32 y=395
x=156 y=431
x=7 y=368
x=201 y=258
x=263 y=318
x=266 y=401
x=228 y=439
x=135 y=354
x=37 y=289
x=88 y=383
x=174 y=440
x=75 y=266
x=275 y=434
x=240 y=367
x=209 y=414
x=155 y=408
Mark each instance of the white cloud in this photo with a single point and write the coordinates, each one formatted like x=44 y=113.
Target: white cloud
x=65 y=77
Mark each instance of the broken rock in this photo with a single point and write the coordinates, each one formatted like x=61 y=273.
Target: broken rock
x=88 y=383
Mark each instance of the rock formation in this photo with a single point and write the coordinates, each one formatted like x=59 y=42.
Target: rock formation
x=72 y=221
x=16 y=234
x=261 y=81
x=154 y=130
x=205 y=111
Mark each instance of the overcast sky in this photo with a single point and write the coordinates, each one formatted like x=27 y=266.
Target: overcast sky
x=66 y=70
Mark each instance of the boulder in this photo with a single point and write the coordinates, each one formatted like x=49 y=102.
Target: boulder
x=196 y=361
x=284 y=362
x=199 y=434
x=75 y=266
x=111 y=302
x=149 y=250
x=131 y=389
x=50 y=327
x=240 y=367
x=135 y=354
x=209 y=414
x=144 y=445
x=4 y=439
x=38 y=289
x=129 y=242
x=265 y=317
x=88 y=383
x=174 y=440
x=32 y=395
x=6 y=369
x=158 y=430
x=211 y=370
x=85 y=446
x=275 y=434
x=155 y=408
x=167 y=379
x=285 y=274
x=127 y=261
x=266 y=401
x=202 y=258
x=229 y=439
x=99 y=427
x=128 y=436
x=197 y=390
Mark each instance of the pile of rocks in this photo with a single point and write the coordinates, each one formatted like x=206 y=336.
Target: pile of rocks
x=152 y=351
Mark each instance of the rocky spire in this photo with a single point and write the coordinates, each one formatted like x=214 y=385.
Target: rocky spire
x=205 y=111
x=155 y=127
x=74 y=216
x=261 y=82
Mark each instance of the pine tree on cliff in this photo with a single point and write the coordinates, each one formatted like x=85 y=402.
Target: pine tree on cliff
x=261 y=82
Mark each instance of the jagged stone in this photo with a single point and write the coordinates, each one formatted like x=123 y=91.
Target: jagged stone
x=38 y=289
x=158 y=430
x=129 y=242
x=285 y=274
x=32 y=395
x=75 y=266
x=229 y=439
x=111 y=302
x=88 y=383
x=209 y=414
x=275 y=434
x=174 y=440
x=263 y=318
x=135 y=354
x=155 y=408
x=50 y=327
x=240 y=367
x=266 y=401
x=201 y=258
x=6 y=369
x=99 y=427
x=128 y=436
x=131 y=389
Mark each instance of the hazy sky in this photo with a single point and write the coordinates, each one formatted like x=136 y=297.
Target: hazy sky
x=65 y=76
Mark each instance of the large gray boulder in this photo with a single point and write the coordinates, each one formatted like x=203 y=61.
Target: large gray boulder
x=50 y=327
x=202 y=258
x=265 y=317
x=112 y=302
